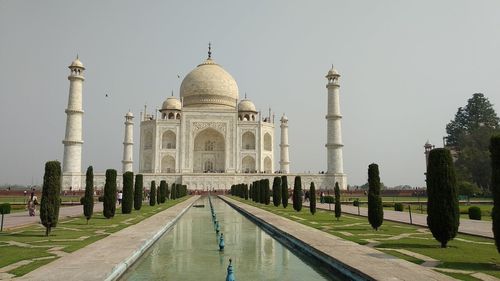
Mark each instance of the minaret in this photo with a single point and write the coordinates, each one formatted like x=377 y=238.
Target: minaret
x=72 y=159
x=128 y=143
x=284 y=158
x=428 y=147
x=334 y=130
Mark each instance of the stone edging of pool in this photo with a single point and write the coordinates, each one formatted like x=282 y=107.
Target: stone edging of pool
x=109 y=258
x=351 y=260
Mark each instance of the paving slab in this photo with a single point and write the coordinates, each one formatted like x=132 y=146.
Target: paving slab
x=371 y=263
x=20 y=219
x=109 y=257
x=472 y=227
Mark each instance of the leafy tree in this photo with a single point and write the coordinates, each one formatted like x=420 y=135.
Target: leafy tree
x=109 y=203
x=128 y=192
x=338 y=206
x=4 y=210
x=152 y=194
x=312 y=195
x=88 y=202
x=138 y=192
x=467 y=188
x=443 y=215
x=284 y=191
x=49 y=207
x=297 y=194
x=276 y=191
x=495 y=187
x=375 y=209
x=469 y=134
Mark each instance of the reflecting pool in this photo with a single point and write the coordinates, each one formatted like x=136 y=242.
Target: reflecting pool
x=190 y=251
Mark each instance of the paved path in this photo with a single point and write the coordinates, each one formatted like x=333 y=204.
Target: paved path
x=109 y=257
x=474 y=227
x=19 y=219
x=368 y=261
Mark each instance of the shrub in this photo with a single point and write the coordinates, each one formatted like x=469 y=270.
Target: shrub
x=128 y=192
x=495 y=187
x=138 y=189
x=152 y=194
x=338 y=206
x=475 y=213
x=49 y=207
x=109 y=204
x=443 y=215
x=88 y=201
x=82 y=200
x=100 y=198
x=4 y=209
x=375 y=209
x=312 y=200
x=284 y=191
x=328 y=199
x=355 y=202
x=388 y=204
x=398 y=207
x=297 y=194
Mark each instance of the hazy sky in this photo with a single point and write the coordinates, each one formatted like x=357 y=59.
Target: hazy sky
x=406 y=67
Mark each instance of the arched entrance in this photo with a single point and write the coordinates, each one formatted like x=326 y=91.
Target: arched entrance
x=209 y=152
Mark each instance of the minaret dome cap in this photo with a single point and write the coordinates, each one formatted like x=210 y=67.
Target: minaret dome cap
x=76 y=64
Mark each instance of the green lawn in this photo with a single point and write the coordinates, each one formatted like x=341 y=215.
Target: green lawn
x=465 y=252
x=30 y=243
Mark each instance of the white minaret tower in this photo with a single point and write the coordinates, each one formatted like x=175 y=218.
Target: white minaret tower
x=284 y=158
x=72 y=159
x=128 y=143
x=334 y=130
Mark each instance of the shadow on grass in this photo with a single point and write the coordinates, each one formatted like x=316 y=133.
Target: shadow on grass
x=409 y=246
x=480 y=266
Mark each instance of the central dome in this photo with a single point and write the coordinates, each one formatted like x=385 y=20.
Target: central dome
x=209 y=85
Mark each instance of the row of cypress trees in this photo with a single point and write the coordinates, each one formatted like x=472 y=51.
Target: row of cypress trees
x=240 y=190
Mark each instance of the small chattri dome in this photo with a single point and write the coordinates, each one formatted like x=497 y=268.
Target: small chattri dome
x=246 y=105
x=284 y=118
x=171 y=103
x=129 y=114
x=77 y=63
x=333 y=72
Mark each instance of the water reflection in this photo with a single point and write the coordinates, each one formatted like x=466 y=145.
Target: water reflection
x=190 y=251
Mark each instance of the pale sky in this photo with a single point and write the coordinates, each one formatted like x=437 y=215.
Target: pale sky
x=406 y=67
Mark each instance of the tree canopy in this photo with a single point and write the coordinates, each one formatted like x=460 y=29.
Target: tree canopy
x=469 y=134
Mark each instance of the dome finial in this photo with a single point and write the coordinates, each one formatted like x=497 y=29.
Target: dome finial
x=209 y=50
x=245 y=95
x=172 y=93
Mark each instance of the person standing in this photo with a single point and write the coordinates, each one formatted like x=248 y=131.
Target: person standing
x=120 y=197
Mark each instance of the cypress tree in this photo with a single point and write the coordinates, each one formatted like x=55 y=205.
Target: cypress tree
x=338 y=208
x=173 y=192
x=297 y=194
x=277 y=191
x=138 y=192
x=375 y=209
x=158 y=194
x=152 y=194
x=443 y=216
x=88 y=202
x=109 y=203
x=284 y=191
x=495 y=186
x=267 y=192
x=49 y=207
x=163 y=191
x=246 y=191
x=128 y=192
x=167 y=192
x=312 y=196
x=257 y=192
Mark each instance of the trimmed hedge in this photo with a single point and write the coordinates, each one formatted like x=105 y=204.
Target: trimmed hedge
x=475 y=213
x=398 y=207
x=328 y=199
x=284 y=191
x=88 y=199
x=338 y=206
x=375 y=209
x=312 y=196
x=138 y=192
x=152 y=194
x=297 y=194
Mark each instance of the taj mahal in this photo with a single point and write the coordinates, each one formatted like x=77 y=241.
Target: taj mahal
x=207 y=138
